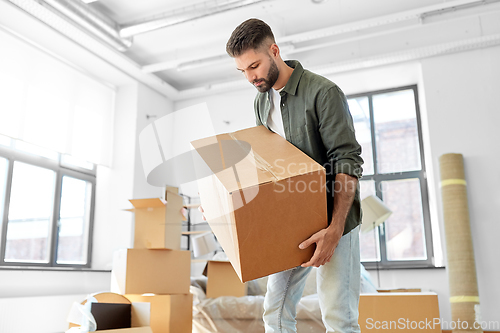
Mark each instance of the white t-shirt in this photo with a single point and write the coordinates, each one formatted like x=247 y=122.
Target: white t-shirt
x=275 y=121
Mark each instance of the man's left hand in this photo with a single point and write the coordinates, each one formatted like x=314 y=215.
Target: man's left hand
x=326 y=242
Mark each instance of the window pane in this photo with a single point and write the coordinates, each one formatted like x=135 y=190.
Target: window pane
x=30 y=213
x=405 y=235
x=360 y=112
x=369 y=242
x=74 y=221
x=396 y=132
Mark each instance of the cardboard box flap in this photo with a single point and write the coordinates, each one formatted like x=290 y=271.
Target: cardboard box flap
x=239 y=165
x=147 y=203
x=285 y=159
x=205 y=270
x=141 y=314
x=172 y=189
x=233 y=162
x=109 y=297
x=220 y=216
x=176 y=202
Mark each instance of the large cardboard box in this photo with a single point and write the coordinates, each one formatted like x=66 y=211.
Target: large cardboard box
x=222 y=280
x=158 y=222
x=407 y=311
x=139 y=271
x=169 y=313
x=263 y=199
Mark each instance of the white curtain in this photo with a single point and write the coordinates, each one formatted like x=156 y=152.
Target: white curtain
x=48 y=103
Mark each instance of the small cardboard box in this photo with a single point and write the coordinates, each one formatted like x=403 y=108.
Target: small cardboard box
x=139 y=271
x=222 y=280
x=111 y=315
x=390 y=312
x=263 y=199
x=158 y=222
x=169 y=313
x=139 y=318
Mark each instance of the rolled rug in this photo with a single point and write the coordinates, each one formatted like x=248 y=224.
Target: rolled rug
x=464 y=296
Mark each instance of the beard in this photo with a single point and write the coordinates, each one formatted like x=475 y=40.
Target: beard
x=270 y=80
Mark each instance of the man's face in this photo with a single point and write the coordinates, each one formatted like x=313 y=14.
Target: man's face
x=259 y=68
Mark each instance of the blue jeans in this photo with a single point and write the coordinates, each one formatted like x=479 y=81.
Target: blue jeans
x=338 y=283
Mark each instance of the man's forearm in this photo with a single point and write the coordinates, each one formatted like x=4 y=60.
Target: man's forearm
x=345 y=189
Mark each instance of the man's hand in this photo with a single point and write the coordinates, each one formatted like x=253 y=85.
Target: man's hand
x=327 y=239
x=326 y=242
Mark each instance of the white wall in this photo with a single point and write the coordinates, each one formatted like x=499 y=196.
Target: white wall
x=36 y=314
x=463 y=109
x=113 y=225
x=459 y=106
x=152 y=104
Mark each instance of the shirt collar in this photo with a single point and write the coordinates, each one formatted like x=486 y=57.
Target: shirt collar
x=293 y=81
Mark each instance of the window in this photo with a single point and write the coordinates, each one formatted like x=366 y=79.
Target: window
x=46 y=207
x=388 y=128
x=48 y=103
x=56 y=124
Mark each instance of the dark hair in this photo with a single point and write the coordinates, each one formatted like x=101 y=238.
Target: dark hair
x=250 y=34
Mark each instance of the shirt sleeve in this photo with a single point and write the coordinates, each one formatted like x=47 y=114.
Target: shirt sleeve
x=337 y=133
x=256 y=110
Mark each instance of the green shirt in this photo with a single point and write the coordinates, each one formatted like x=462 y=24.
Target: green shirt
x=317 y=120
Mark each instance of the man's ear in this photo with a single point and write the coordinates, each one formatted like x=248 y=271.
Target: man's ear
x=275 y=50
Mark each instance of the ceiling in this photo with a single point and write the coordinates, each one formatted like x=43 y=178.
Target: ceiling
x=189 y=57
x=207 y=36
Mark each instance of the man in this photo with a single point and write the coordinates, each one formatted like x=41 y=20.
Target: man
x=312 y=113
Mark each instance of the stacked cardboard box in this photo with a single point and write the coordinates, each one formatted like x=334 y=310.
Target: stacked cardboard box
x=156 y=270
x=222 y=280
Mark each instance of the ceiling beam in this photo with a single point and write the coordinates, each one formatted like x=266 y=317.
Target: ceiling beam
x=361 y=63
x=183 y=15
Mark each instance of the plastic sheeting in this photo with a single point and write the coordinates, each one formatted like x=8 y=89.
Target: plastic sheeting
x=244 y=314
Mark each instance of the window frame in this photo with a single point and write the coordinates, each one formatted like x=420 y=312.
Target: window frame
x=13 y=155
x=377 y=178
